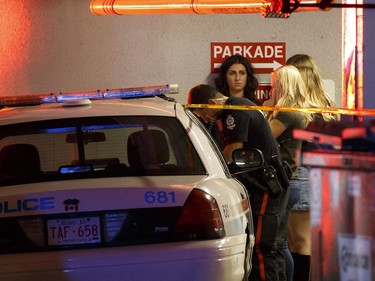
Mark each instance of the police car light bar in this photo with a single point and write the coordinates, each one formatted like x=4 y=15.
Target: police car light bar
x=92 y=95
x=123 y=93
x=141 y=92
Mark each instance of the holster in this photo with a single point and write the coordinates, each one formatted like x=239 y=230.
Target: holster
x=284 y=172
x=265 y=179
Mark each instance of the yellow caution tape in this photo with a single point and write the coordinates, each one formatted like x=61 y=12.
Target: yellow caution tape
x=359 y=112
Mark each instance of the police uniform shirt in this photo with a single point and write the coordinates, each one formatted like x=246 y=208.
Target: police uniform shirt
x=248 y=126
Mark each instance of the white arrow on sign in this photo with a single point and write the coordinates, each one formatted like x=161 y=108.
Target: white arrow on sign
x=274 y=65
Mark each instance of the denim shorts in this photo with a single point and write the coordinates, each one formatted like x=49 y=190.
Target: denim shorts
x=299 y=188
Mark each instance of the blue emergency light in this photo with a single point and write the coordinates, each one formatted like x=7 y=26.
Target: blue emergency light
x=141 y=92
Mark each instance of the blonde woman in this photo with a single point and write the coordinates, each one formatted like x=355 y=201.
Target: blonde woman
x=299 y=232
x=316 y=91
x=314 y=83
x=288 y=90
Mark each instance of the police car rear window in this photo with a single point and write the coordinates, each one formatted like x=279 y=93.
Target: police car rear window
x=95 y=147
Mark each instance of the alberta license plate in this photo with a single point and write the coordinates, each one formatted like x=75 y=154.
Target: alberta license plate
x=72 y=231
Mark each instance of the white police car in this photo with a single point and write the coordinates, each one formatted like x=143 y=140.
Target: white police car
x=121 y=184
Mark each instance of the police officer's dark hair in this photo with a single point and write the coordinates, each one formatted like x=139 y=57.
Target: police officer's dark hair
x=251 y=84
x=202 y=93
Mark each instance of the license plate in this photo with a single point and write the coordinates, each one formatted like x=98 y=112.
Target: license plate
x=73 y=231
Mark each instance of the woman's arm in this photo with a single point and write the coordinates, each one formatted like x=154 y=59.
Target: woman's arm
x=277 y=127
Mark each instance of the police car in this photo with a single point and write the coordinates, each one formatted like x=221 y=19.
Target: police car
x=122 y=184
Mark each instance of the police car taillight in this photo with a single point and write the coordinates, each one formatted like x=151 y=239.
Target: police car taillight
x=200 y=218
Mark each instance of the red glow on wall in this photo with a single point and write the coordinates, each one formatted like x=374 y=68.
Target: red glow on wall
x=15 y=39
x=352 y=77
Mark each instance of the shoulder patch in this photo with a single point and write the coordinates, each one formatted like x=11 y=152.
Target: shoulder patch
x=230 y=122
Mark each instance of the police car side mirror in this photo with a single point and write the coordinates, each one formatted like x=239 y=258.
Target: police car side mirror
x=246 y=160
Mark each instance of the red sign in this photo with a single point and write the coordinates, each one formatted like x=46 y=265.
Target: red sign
x=265 y=57
x=262 y=93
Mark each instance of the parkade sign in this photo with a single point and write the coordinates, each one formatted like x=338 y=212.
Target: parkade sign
x=265 y=57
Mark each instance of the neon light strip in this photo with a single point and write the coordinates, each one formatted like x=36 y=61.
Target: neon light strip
x=122 y=7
